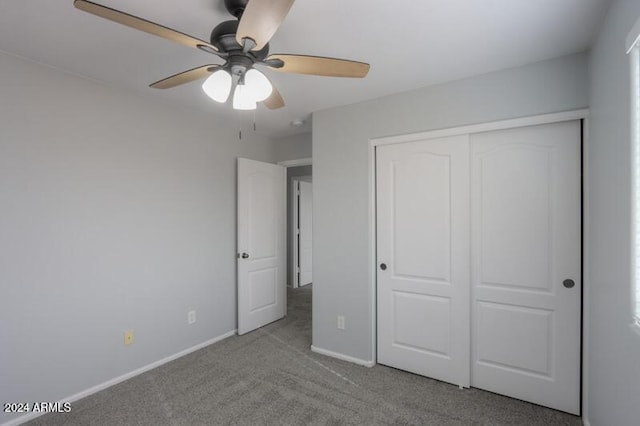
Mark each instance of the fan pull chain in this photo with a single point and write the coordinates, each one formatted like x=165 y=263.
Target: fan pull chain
x=255 y=127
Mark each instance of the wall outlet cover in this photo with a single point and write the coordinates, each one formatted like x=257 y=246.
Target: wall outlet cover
x=128 y=337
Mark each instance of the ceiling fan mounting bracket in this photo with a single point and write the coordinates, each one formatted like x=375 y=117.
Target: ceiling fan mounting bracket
x=274 y=63
x=208 y=49
x=236 y=7
x=248 y=44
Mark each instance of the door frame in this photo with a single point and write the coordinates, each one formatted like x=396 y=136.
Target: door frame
x=295 y=216
x=579 y=114
x=308 y=161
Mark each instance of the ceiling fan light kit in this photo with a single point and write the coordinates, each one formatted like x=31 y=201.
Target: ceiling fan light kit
x=242 y=44
x=252 y=87
x=218 y=86
x=258 y=84
x=243 y=99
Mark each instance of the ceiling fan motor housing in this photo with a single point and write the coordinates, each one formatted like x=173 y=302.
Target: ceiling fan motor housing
x=223 y=37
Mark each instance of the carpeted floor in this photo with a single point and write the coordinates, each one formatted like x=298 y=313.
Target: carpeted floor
x=270 y=377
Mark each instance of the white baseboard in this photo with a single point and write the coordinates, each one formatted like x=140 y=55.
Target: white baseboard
x=126 y=376
x=585 y=421
x=343 y=357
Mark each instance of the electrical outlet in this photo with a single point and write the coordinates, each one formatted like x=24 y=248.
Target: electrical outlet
x=128 y=337
x=191 y=317
x=340 y=322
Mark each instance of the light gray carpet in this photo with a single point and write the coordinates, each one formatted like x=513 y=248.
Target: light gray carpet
x=271 y=377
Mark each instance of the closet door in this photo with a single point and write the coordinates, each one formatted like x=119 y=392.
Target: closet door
x=423 y=257
x=526 y=283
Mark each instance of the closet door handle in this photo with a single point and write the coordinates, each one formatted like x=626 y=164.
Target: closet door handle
x=383 y=266
x=244 y=255
x=568 y=283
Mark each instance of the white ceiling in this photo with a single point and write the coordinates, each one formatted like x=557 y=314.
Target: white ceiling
x=409 y=44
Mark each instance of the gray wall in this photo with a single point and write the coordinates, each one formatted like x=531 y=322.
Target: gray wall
x=293 y=172
x=294 y=147
x=342 y=262
x=116 y=213
x=613 y=349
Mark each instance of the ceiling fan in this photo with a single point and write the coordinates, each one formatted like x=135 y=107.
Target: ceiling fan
x=243 y=43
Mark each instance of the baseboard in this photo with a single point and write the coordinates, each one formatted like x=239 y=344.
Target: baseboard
x=585 y=421
x=342 y=357
x=126 y=376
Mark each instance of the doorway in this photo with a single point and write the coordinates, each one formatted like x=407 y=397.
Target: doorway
x=262 y=235
x=302 y=232
x=299 y=229
x=298 y=298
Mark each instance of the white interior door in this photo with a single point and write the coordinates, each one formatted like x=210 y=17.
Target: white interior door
x=261 y=244
x=525 y=248
x=423 y=257
x=305 y=220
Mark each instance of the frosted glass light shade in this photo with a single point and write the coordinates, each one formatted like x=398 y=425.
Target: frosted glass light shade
x=258 y=84
x=218 y=86
x=243 y=98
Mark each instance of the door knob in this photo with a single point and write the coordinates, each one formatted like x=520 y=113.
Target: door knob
x=568 y=283
x=383 y=266
x=245 y=255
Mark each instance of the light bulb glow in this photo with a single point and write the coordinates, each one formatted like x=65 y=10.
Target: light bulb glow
x=218 y=86
x=243 y=99
x=259 y=85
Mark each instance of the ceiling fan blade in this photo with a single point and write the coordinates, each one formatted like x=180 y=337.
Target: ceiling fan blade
x=184 y=77
x=274 y=101
x=318 y=65
x=143 y=25
x=261 y=19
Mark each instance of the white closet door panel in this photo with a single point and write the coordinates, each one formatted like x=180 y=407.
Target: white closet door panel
x=525 y=243
x=423 y=251
x=423 y=293
x=515 y=216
